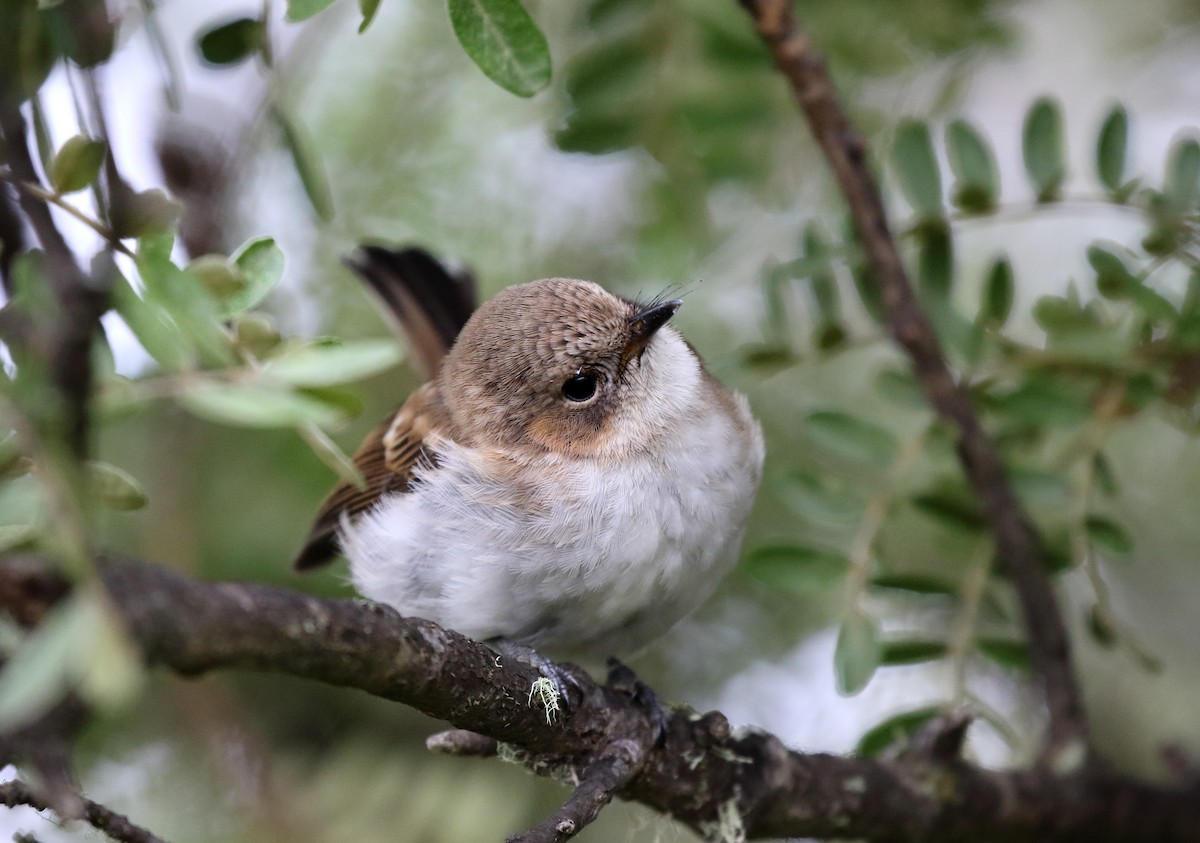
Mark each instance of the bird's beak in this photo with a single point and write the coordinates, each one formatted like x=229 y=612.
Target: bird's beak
x=645 y=323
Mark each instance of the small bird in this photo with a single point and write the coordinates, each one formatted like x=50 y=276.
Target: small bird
x=571 y=480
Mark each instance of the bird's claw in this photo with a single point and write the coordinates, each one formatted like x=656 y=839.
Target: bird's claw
x=622 y=678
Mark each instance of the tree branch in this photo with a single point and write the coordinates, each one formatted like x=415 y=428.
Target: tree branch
x=1017 y=543
x=81 y=303
x=615 y=766
x=701 y=774
x=116 y=826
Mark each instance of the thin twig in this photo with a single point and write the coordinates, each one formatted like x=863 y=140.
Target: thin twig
x=117 y=826
x=613 y=768
x=1017 y=543
x=55 y=199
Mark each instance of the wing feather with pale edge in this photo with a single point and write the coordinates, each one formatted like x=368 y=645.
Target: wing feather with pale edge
x=386 y=459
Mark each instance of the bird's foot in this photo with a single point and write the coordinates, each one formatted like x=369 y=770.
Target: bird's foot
x=621 y=678
x=554 y=690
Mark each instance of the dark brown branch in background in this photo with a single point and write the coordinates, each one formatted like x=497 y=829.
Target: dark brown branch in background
x=700 y=774
x=116 y=826
x=12 y=238
x=80 y=300
x=1017 y=543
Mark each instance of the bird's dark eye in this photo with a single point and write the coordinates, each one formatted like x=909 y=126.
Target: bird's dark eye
x=581 y=387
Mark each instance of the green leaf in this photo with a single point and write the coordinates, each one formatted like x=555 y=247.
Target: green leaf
x=870 y=293
x=1111 y=149
x=341 y=399
x=768 y=357
x=184 y=299
x=257 y=333
x=111 y=669
x=1058 y=553
x=1045 y=401
x=597 y=133
x=935 y=261
x=217 y=275
x=307 y=164
x=895 y=730
x=114 y=487
x=850 y=438
x=247 y=405
x=974 y=167
x=259 y=262
x=330 y=363
x=1040 y=489
x=153 y=327
x=1013 y=655
x=504 y=42
x=1105 y=477
x=1101 y=627
x=143 y=214
x=822 y=498
x=917 y=169
x=1182 y=188
x=952 y=505
x=1044 y=150
x=824 y=283
x=232 y=42
x=895 y=653
x=900 y=387
x=44 y=666
x=1113 y=278
x=298 y=10
x=921 y=584
x=998 y=293
x=1107 y=535
x=368 y=9
x=1115 y=281
x=857 y=653
x=1057 y=313
x=77 y=164
x=796 y=568
x=13 y=536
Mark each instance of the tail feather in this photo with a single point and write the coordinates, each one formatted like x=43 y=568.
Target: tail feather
x=429 y=303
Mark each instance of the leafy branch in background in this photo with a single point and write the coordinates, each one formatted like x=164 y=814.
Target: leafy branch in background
x=1120 y=346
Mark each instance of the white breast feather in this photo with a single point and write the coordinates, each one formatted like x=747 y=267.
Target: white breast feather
x=601 y=563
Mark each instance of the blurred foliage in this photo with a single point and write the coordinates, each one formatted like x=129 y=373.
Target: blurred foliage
x=677 y=147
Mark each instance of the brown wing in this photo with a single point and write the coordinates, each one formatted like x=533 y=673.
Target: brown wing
x=386 y=459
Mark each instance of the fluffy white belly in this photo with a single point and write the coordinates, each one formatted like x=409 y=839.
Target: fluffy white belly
x=593 y=559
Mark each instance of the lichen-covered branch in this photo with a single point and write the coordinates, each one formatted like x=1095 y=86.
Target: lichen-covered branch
x=701 y=773
x=1017 y=543
x=614 y=767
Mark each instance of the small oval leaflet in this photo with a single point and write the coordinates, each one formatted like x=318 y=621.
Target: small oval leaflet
x=903 y=652
x=895 y=729
x=974 y=167
x=77 y=164
x=796 y=567
x=857 y=653
x=917 y=169
x=850 y=438
x=1043 y=148
x=1111 y=149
